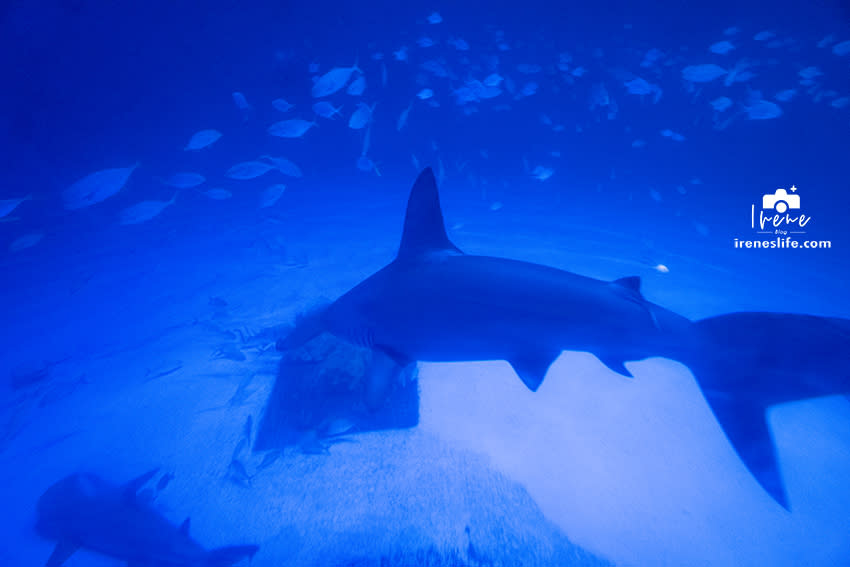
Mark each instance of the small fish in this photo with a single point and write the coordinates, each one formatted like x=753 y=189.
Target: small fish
x=402 y=118
x=675 y=136
x=425 y=42
x=361 y=117
x=841 y=49
x=242 y=104
x=764 y=35
x=294 y=128
x=655 y=195
x=326 y=110
x=661 y=268
x=240 y=448
x=248 y=428
x=202 y=139
x=529 y=89
x=786 y=95
x=541 y=173
x=721 y=104
x=238 y=474
x=145 y=210
x=9 y=205
x=810 y=72
x=400 y=54
x=840 y=102
x=425 y=94
x=164 y=480
x=763 y=110
x=357 y=86
x=271 y=195
x=336 y=426
x=248 y=170
x=269 y=459
x=216 y=194
x=333 y=80
x=366 y=164
x=493 y=80
x=281 y=105
x=25 y=241
x=639 y=86
x=721 y=47
x=703 y=73
x=459 y=44
x=96 y=187
x=529 y=68
x=184 y=180
x=285 y=166
x=639 y=143
x=435 y=18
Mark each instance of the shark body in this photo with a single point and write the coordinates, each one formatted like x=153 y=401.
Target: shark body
x=434 y=303
x=83 y=511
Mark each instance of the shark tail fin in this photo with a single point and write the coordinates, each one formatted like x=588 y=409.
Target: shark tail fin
x=746 y=362
x=227 y=556
x=424 y=229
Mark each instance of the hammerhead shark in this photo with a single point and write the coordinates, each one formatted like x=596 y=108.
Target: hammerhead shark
x=85 y=511
x=434 y=303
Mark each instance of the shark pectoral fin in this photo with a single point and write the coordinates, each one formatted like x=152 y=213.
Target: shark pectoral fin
x=307 y=326
x=61 y=553
x=383 y=372
x=746 y=428
x=131 y=488
x=532 y=367
x=615 y=364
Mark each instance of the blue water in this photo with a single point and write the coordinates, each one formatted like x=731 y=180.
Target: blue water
x=149 y=344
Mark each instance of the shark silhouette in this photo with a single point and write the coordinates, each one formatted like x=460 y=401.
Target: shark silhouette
x=435 y=303
x=85 y=511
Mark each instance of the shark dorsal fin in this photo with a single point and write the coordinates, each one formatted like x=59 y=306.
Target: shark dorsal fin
x=632 y=283
x=131 y=488
x=424 y=230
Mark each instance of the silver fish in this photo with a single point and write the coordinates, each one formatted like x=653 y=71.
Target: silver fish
x=248 y=170
x=145 y=210
x=285 y=166
x=9 y=205
x=96 y=187
x=202 y=139
x=361 y=117
x=184 y=180
x=333 y=80
x=272 y=195
x=217 y=194
x=293 y=128
x=25 y=241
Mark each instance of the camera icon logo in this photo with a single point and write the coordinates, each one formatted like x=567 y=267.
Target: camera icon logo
x=781 y=201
